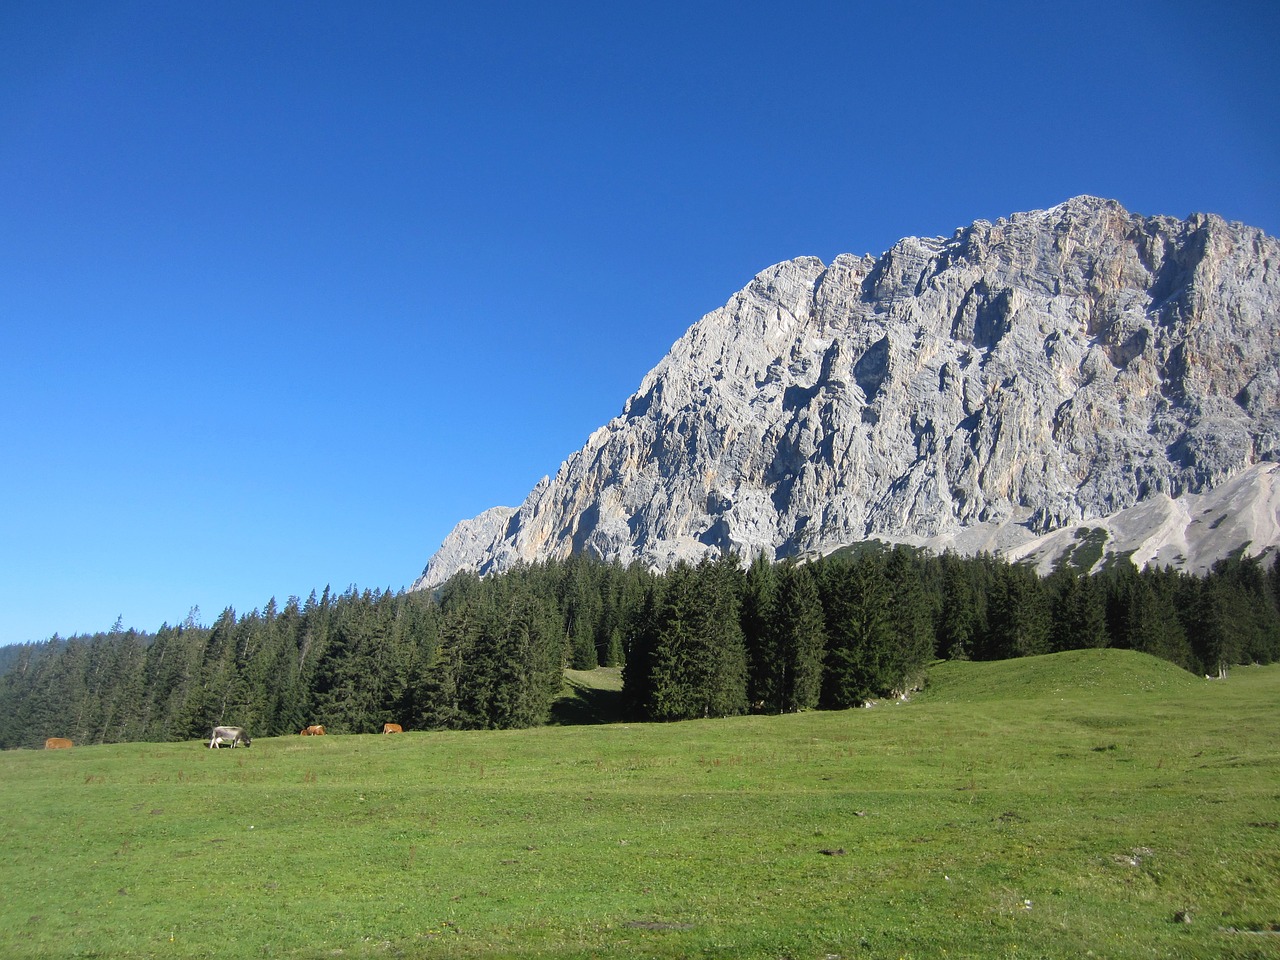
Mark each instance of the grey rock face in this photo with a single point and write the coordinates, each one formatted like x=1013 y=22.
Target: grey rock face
x=976 y=391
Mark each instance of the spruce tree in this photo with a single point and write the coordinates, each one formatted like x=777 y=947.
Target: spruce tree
x=960 y=621
x=1154 y=625
x=911 y=637
x=723 y=653
x=1078 y=611
x=859 y=631
x=641 y=649
x=1019 y=615
x=582 y=610
x=673 y=674
x=759 y=629
x=800 y=641
x=698 y=664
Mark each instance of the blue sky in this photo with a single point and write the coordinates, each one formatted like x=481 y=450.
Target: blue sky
x=288 y=289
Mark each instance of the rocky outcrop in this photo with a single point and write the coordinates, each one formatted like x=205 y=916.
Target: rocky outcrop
x=976 y=391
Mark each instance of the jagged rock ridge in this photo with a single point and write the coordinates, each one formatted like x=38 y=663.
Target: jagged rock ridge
x=974 y=392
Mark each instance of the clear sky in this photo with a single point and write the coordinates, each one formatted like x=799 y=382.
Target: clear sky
x=289 y=288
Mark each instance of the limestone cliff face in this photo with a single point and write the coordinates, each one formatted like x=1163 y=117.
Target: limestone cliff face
x=975 y=391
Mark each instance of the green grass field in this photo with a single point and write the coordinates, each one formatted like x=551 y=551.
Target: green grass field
x=1077 y=805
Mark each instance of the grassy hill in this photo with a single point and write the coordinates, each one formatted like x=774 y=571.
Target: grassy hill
x=1039 y=808
x=1101 y=675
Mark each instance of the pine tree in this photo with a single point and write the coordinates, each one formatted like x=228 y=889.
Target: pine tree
x=759 y=629
x=671 y=693
x=123 y=692
x=173 y=667
x=450 y=692
x=582 y=611
x=1019 y=615
x=1119 y=581
x=644 y=630
x=800 y=641
x=961 y=622
x=723 y=654
x=530 y=660
x=859 y=631
x=697 y=666
x=911 y=637
x=1078 y=611
x=1153 y=622
x=1217 y=638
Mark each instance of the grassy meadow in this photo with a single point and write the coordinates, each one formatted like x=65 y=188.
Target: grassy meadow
x=1095 y=803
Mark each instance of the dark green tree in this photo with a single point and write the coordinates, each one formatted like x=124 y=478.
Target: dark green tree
x=1153 y=621
x=1078 y=617
x=800 y=641
x=962 y=620
x=911 y=637
x=859 y=630
x=759 y=630
x=1018 y=615
x=697 y=664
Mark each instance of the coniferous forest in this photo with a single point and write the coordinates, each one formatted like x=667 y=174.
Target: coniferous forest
x=710 y=640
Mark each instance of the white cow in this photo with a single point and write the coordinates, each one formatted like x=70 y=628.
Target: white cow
x=232 y=735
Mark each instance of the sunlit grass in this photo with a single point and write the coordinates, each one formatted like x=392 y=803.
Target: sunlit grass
x=1047 y=807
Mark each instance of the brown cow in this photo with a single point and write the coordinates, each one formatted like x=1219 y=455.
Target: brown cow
x=392 y=728
x=57 y=743
x=315 y=730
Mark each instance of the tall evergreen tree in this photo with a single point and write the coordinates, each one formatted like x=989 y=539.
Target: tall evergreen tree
x=697 y=665
x=673 y=675
x=1153 y=621
x=961 y=621
x=641 y=649
x=529 y=662
x=911 y=637
x=1078 y=611
x=800 y=641
x=859 y=631
x=122 y=691
x=583 y=609
x=759 y=630
x=1018 y=619
x=723 y=655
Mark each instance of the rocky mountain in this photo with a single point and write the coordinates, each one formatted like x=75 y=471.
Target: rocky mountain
x=978 y=392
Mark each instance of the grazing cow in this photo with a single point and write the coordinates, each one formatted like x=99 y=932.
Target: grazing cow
x=232 y=735
x=57 y=743
x=315 y=730
x=392 y=728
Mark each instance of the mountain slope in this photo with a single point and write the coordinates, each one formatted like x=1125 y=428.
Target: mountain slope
x=974 y=392
x=1190 y=533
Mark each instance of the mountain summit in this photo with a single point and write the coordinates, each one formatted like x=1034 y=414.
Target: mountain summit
x=973 y=392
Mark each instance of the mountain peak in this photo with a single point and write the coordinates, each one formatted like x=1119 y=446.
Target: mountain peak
x=976 y=391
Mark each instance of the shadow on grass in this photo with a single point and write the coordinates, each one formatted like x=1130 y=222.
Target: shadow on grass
x=584 y=704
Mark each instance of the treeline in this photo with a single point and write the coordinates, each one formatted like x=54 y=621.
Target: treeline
x=476 y=654
x=708 y=640
x=716 y=640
